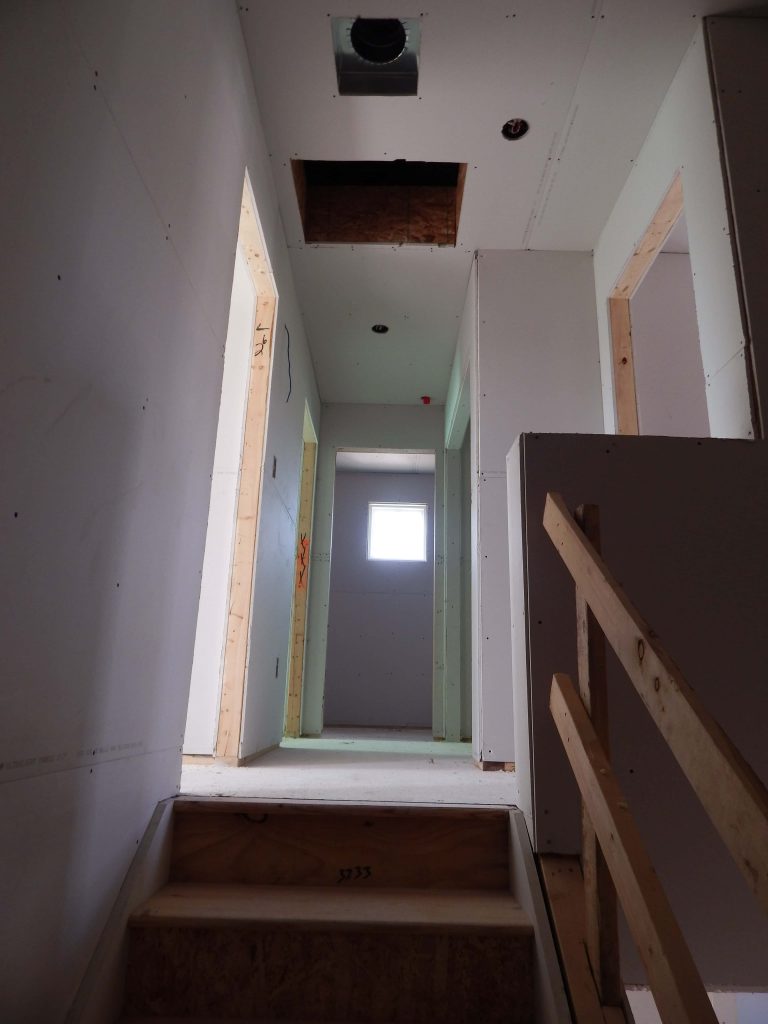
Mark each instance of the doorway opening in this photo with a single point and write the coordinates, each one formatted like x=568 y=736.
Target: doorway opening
x=379 y=661
x=659 y=381
x=219 y=667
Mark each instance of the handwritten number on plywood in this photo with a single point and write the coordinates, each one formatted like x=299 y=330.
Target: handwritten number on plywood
x=355 y=874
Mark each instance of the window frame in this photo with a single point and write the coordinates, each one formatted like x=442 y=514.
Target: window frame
x=423 y=506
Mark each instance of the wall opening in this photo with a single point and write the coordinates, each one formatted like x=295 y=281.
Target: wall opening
x=659 y=382
x=219 y=669
x=379 y=664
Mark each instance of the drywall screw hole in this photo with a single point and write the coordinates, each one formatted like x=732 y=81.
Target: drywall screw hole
x=657 y=684
x=624 y=361
x=640 y=649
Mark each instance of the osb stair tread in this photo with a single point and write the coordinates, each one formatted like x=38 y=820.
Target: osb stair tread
x=193 y=905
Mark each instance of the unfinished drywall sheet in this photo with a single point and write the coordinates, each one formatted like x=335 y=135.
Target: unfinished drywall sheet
x=121 y=211
x=683 y=528
x=669 y=377
x=739 y=52
x=368 y=428
x=537 y=370
x=211 y=629
x=684 y=138
x=379 y=662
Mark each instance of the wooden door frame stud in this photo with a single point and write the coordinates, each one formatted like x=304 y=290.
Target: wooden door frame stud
x=301 y=590
x=236 y=647
x=638 y=265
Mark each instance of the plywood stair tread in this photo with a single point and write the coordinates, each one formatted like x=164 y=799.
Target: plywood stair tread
x=194 y=905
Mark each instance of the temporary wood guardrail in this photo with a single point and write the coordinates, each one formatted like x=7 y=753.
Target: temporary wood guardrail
x=730 y=791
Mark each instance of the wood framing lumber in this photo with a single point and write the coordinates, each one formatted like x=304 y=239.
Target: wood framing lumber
x=732 y=794
x=246 y=532
x=564 y=887
x=300 y=591
x=625 y=393
x=601 y=916
x=650 y=245
x=677 y=988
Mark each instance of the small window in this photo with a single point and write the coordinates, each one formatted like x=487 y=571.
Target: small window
x=397 y=532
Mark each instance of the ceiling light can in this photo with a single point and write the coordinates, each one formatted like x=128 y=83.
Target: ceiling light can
x=515 y=129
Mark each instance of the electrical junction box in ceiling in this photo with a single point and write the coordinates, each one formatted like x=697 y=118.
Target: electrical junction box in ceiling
x=377 y=56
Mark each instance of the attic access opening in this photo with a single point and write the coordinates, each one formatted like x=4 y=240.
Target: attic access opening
x=379 y=202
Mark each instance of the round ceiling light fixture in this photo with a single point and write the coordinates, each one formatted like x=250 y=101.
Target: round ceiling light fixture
x=378 y=40
x=379 y=328
x=515 y=129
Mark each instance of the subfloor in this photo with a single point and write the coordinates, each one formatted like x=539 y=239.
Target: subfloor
x=355 y=766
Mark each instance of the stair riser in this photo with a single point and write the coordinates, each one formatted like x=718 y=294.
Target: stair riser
x=451 y=852
x=399 y=978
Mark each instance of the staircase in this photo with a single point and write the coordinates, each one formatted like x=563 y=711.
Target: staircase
x=300 y=912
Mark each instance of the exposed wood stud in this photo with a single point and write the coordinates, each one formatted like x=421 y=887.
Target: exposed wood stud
x=249 y=492
x=601 y=918
x=629 y=281
x=300 y=591
x=564 y=887
x=625 y=394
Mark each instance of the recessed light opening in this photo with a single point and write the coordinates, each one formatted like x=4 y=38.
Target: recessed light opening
x=515 y=129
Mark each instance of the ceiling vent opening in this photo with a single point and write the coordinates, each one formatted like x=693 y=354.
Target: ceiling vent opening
x=379 y=202
x=376 y=56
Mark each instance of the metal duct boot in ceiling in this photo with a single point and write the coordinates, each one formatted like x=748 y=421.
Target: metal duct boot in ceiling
x=377 y=56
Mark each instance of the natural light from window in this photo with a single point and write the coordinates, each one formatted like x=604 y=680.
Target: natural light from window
x=397 y=532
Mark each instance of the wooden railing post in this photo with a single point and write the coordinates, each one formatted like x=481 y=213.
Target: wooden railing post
x=600 y=911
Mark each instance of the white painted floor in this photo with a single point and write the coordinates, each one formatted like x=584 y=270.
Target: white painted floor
x=300 y=770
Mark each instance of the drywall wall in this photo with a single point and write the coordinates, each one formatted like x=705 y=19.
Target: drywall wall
x=683 y=528
x=537 y=369
x=368 y=428
x=738 y=52
x=121 y=206
x=684 y=138
x=379 y=660
x=669 y=377
x=211 y=629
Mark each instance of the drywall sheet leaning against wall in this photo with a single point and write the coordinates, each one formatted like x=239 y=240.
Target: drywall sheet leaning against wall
x=683 y=530
x=537 y=369
x=738 y=50
x=684 y=138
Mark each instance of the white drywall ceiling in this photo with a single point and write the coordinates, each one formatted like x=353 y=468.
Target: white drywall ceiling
x=589 y=75
x=385 y=462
